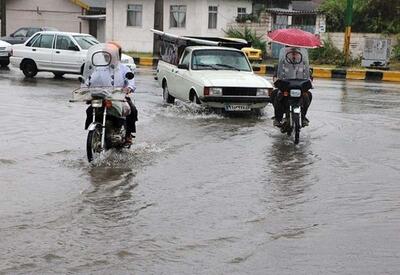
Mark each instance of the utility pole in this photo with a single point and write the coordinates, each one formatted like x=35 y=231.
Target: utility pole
x=347 y=33
x=158 y=24
x=3 y=17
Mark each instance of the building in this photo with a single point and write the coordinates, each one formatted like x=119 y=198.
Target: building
x=65 y=15
x=129 y=21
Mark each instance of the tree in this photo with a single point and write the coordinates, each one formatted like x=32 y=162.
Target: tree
x=368 y=16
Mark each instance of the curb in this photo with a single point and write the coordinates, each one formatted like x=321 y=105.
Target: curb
x=318 y=72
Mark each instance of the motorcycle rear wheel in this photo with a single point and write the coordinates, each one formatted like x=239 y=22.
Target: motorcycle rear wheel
x=93 y=143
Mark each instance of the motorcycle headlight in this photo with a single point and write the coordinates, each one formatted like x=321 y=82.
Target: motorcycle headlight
x=262 y=92
x=216 y=91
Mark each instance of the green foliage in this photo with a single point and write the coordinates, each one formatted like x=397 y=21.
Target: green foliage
x=396 y=49
x=380 y=16
x=328 y=54
x=250 y=17
x=257 y=41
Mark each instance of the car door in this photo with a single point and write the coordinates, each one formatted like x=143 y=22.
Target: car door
x=67 y=56
x=42 y=51
x=182 y=77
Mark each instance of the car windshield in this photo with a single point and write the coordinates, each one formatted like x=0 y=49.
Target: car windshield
x=216 y=59
x=85 y=41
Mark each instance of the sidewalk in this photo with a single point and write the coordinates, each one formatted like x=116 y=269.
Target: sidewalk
x=318 y=72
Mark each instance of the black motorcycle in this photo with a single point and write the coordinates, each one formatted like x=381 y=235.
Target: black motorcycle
x=292 y=93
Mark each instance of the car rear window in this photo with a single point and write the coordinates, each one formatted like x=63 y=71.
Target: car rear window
x=85 y=41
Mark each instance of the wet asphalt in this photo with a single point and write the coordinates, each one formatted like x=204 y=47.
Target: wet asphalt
x=200 y=193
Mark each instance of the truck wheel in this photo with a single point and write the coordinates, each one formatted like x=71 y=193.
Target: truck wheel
x=166 y=96
x=5 y=63
x=195 y=98
x=29 y=69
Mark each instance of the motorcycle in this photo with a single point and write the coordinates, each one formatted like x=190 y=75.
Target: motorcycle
x=293 y=83
x=108 y=103
x=293 y=92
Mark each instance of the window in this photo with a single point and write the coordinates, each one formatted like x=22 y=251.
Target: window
x=85 y=41
x=135 y=15
x=241 y=12
x=219 y=60
x=64 y=42
x=212 y=17
x=44 y=41
x=186 y=58
x=32 y=31
x=32 y=40
x=20 y=33
x=177 y=16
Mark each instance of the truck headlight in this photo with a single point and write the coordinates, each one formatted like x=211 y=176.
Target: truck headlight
x=212 y=91
x=262 y=92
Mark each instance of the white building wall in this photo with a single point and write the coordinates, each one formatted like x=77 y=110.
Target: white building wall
x=197 y=16
x=60 y=14
x=140 y=39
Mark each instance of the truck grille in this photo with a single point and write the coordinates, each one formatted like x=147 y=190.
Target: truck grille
x=2 y=48
x=239 y=91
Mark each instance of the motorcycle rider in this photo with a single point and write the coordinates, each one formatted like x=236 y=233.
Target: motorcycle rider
x=101 y=77
x=293 y=64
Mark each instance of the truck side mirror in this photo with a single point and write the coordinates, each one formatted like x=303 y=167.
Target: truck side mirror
x=183 y=66
x=129 y=75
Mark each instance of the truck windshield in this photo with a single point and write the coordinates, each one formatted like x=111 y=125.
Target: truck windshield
x=219 y=60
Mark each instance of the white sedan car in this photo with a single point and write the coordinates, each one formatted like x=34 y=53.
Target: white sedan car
x=57 y=52
x=5 y=52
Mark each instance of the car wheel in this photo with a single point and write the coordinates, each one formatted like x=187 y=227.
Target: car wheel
x=29 y=69
x=58 y=75
x=166 y=96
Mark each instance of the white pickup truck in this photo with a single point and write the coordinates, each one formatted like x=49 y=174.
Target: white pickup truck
x=216 y=77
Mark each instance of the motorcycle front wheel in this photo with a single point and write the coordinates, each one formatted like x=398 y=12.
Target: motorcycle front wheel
x=93 y=143
x=296 y=125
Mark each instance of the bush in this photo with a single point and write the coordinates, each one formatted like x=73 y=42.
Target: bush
x=396 y=49
x=331 y=55
x=328 y=54
x=243 y=19
x=257 y=41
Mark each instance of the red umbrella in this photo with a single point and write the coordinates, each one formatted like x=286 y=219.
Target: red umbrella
x=295 y=38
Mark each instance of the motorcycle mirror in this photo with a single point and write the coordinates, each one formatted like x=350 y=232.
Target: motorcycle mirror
x=129 y=75
x=81 y=80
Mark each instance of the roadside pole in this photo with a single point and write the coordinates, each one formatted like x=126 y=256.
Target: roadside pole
x=347 y=33
x=3 y=17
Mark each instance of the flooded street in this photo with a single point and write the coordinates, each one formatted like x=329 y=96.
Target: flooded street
x=200 y=193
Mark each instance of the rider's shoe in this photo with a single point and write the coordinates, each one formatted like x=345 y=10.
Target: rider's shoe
x=305 y=122
x=128 y=139
x=277 y=123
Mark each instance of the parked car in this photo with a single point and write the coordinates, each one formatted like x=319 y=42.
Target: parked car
x=56 y=52
x=22 y=34
x=5 y=52
x=253 y=54
x=216 y=77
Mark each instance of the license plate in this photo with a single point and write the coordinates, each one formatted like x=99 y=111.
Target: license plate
x=237 y=108
x=295 y=93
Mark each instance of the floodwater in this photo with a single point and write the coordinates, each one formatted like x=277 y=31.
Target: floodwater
x=200 y=193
